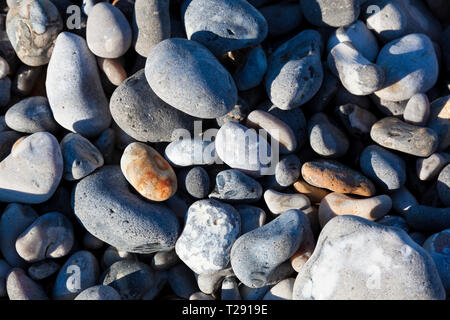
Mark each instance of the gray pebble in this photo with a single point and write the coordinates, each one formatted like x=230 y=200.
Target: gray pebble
x=196 y=182
x=278 y=202
x=230 y=290
x=25 y=80
x=234 y=186
x=439 y=121
x=251 y=217
x=108 y=210
x=20 y=287
x=209 y=283
x=287 y=172
x=417 y=110
x=428 y=168
x=281 y=291
x=43 y=269
x=164 y=260
x=443 y=185
x=182 y=281
x=333 y=13
x=99 y=292
x=250 y=72
x=113 y=254
x=358 y=121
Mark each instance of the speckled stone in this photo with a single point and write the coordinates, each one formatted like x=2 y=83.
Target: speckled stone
x=234 y=186
x=81 y=157
x=177 y=67
x=148 y=172
x=32 y=28
x=417 y=110
x=43 y=269
x=333 y=271
x=443 y=185
x=395 y=134
x=41 y=165
x=333 y=13
x=99 y=292
x=210 y=230
x=108 y=210
x=278 y=202
x=20 y=287
x=429 y=168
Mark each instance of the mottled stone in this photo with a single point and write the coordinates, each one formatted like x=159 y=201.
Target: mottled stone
x=99 y=292
x=278 y=202
x=234 y=186
x=20 y=287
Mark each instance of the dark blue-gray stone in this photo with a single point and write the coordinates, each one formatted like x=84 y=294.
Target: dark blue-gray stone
x=234 y=186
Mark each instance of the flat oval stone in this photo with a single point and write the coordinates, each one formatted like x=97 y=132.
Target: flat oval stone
x=188 y=77
x=32 y=28
x=251 y=217
x=426 y=218
x=143 y=115
x=109 y=211
x=131 y=279
x=395 y=134
x=357 y=120
x=325 y=138
x=99 y=292
x=74 y=89
x=31 y=115
x=332 y=13
x=429 y=168
x=440 y=120
x=108 y=33
x=33 y=170
x=15 y=219
x=443 y=185
x=336 y=177
x=258 y=256
x=49 y=236
x=224 y=26
x=384 y=167
x=189 y=152
x=337 y=204
x=411 y=67
x=417 y=110
x=243 y=149
x=210 y=230
x=359 y=259
x=20 y=287
x=438 y=246
x=279 y=131
x=234 y=186
x=81 y=157
x=295 y=73
x=250 y=72
x=79 y=272
x=278 y=202
x=113 y=69
x=151 y=24
x=43 y=269
x=148 y=172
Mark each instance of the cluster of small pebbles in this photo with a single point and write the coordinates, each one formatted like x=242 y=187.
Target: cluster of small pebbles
x=126 y=143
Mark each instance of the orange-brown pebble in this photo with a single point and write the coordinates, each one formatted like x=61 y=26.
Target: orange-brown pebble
x=113 y=70
x=334 y=176
x=313 y=193
x=148 y=172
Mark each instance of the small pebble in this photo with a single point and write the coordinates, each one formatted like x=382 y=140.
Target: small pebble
x=196 y=182
x=250 y=72
x=99 y=292
x=43 y=269
x=230 y=290
x=20 y=287
x=443 y=185
x=281 y=291
x=428 y=168
x=25 y=80
x=333 y=13
x=164 y=260
x=113 y=254
x=417 y=110
x=113 y=70
x=234 y=186
x=278 y=202
x=4 y=68
x=251 y=217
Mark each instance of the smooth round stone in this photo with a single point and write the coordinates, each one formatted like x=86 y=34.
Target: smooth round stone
x=112 y=255
x=4 y=270
x=237 y=114
x=33 y=170
x=295 y=73
x=278 y=202
x=164 y=260
x=7 y=140
x=314 y=194
x=337 y=204
x=250 y=72
x=200 y=296
x=72 y=73
x=81 y=157
x=395 y=267
x=108 y=33
x=360 y=37
x=189 y=152
x=384 y=167
x=26 y=79
x=182 y=281
x=281 y=291
x=108 y=210
x=357 y=74
x=177 y=67
x=88 y=5
x=230 y=290
x=5 y=91
x=151 y=24
x=438 y=246
x=402 y=200
x=15 y=219
x=280 y=133
x=49 y=236
x=20 y=287
x=209 y=283
x=287 y=171
x=251 y=217
x=426 y=218
x=394 y=221
x=440 y=120
x=99 y=292
x=429 y=168
x=31 y=115
x=282 y=17
x=113 y=70
x=4 y=68
x=243 y=149
x=43 y=269
x=143 y=115
x=32 y=28
x=105 y=143
x=234 y=186
x=411 y=67
x=81 y=271
x=258 y=256
x=332 y=13
x=210 y=230
x=395 y=134
x=443 y=185
x=131 y=279
x=325 y=138
x=417 y=110
x=358 y=121
x=196 y=182
x=337 y=177
x=224 y=26
x=148 y=172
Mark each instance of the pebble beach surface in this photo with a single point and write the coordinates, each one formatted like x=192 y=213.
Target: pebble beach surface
x=224 y=150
